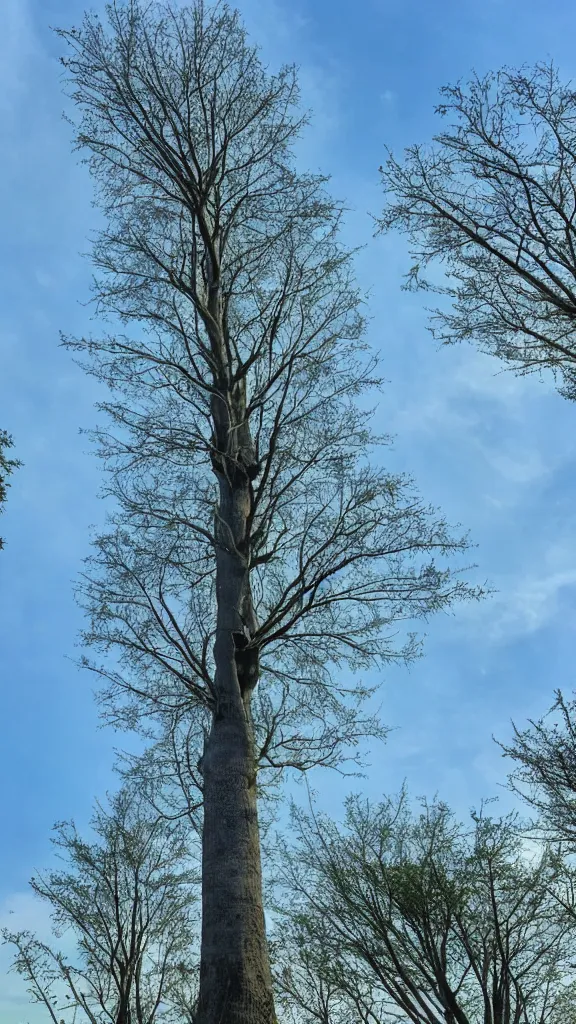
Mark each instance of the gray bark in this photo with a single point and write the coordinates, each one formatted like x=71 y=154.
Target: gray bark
x=235 y=975
x=235 y=979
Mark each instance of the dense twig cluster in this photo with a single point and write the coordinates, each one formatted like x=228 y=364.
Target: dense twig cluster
x=494 y=201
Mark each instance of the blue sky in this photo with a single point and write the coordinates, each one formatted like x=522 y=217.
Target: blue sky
x=497 y=453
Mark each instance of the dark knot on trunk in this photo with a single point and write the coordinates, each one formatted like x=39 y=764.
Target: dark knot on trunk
x=247 y=659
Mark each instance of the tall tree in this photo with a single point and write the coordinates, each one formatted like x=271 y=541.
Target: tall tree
x=256 y=552
x=419 y=918
x=6 y=468
x=494 y=202
x=128 y=899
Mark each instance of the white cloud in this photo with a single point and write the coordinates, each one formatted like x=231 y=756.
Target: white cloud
x=531 y=604
x=519 y=466
x=486 y=377
x=463 y=381
x=526 y=602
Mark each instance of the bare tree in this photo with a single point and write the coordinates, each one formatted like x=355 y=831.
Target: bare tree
x=7 y=466
x=129 y=900
x=256 y=554
x=544 y=773
x=416 y=917
x=494 y=201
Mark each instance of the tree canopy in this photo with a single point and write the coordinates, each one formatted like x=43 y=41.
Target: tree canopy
x=407 y=915
x=493 y=202
x=128 y=901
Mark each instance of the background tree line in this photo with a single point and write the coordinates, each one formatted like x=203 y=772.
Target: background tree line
x=400 y=913
x=259 y=555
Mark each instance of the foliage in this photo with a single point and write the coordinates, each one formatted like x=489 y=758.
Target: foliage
x=7 y=466
x=544 y=773
x=127 y=903
x=416 y=917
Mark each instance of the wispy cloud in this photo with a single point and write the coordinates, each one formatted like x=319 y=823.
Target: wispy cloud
x=527 y=600
x=530 y=604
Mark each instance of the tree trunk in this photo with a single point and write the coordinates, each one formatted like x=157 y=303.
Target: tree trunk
x=235 y=976
x=235 y=981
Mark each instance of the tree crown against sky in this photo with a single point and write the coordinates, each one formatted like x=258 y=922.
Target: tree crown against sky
x=246 y=358
x=544 y=770
x=493 y=201
x=407 y=915
x=125 y=913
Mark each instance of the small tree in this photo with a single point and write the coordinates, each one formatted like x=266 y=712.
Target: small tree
x=257 y=553
x=7 y=466
x=420 y=918
x=494 y=203
x=128 y=902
